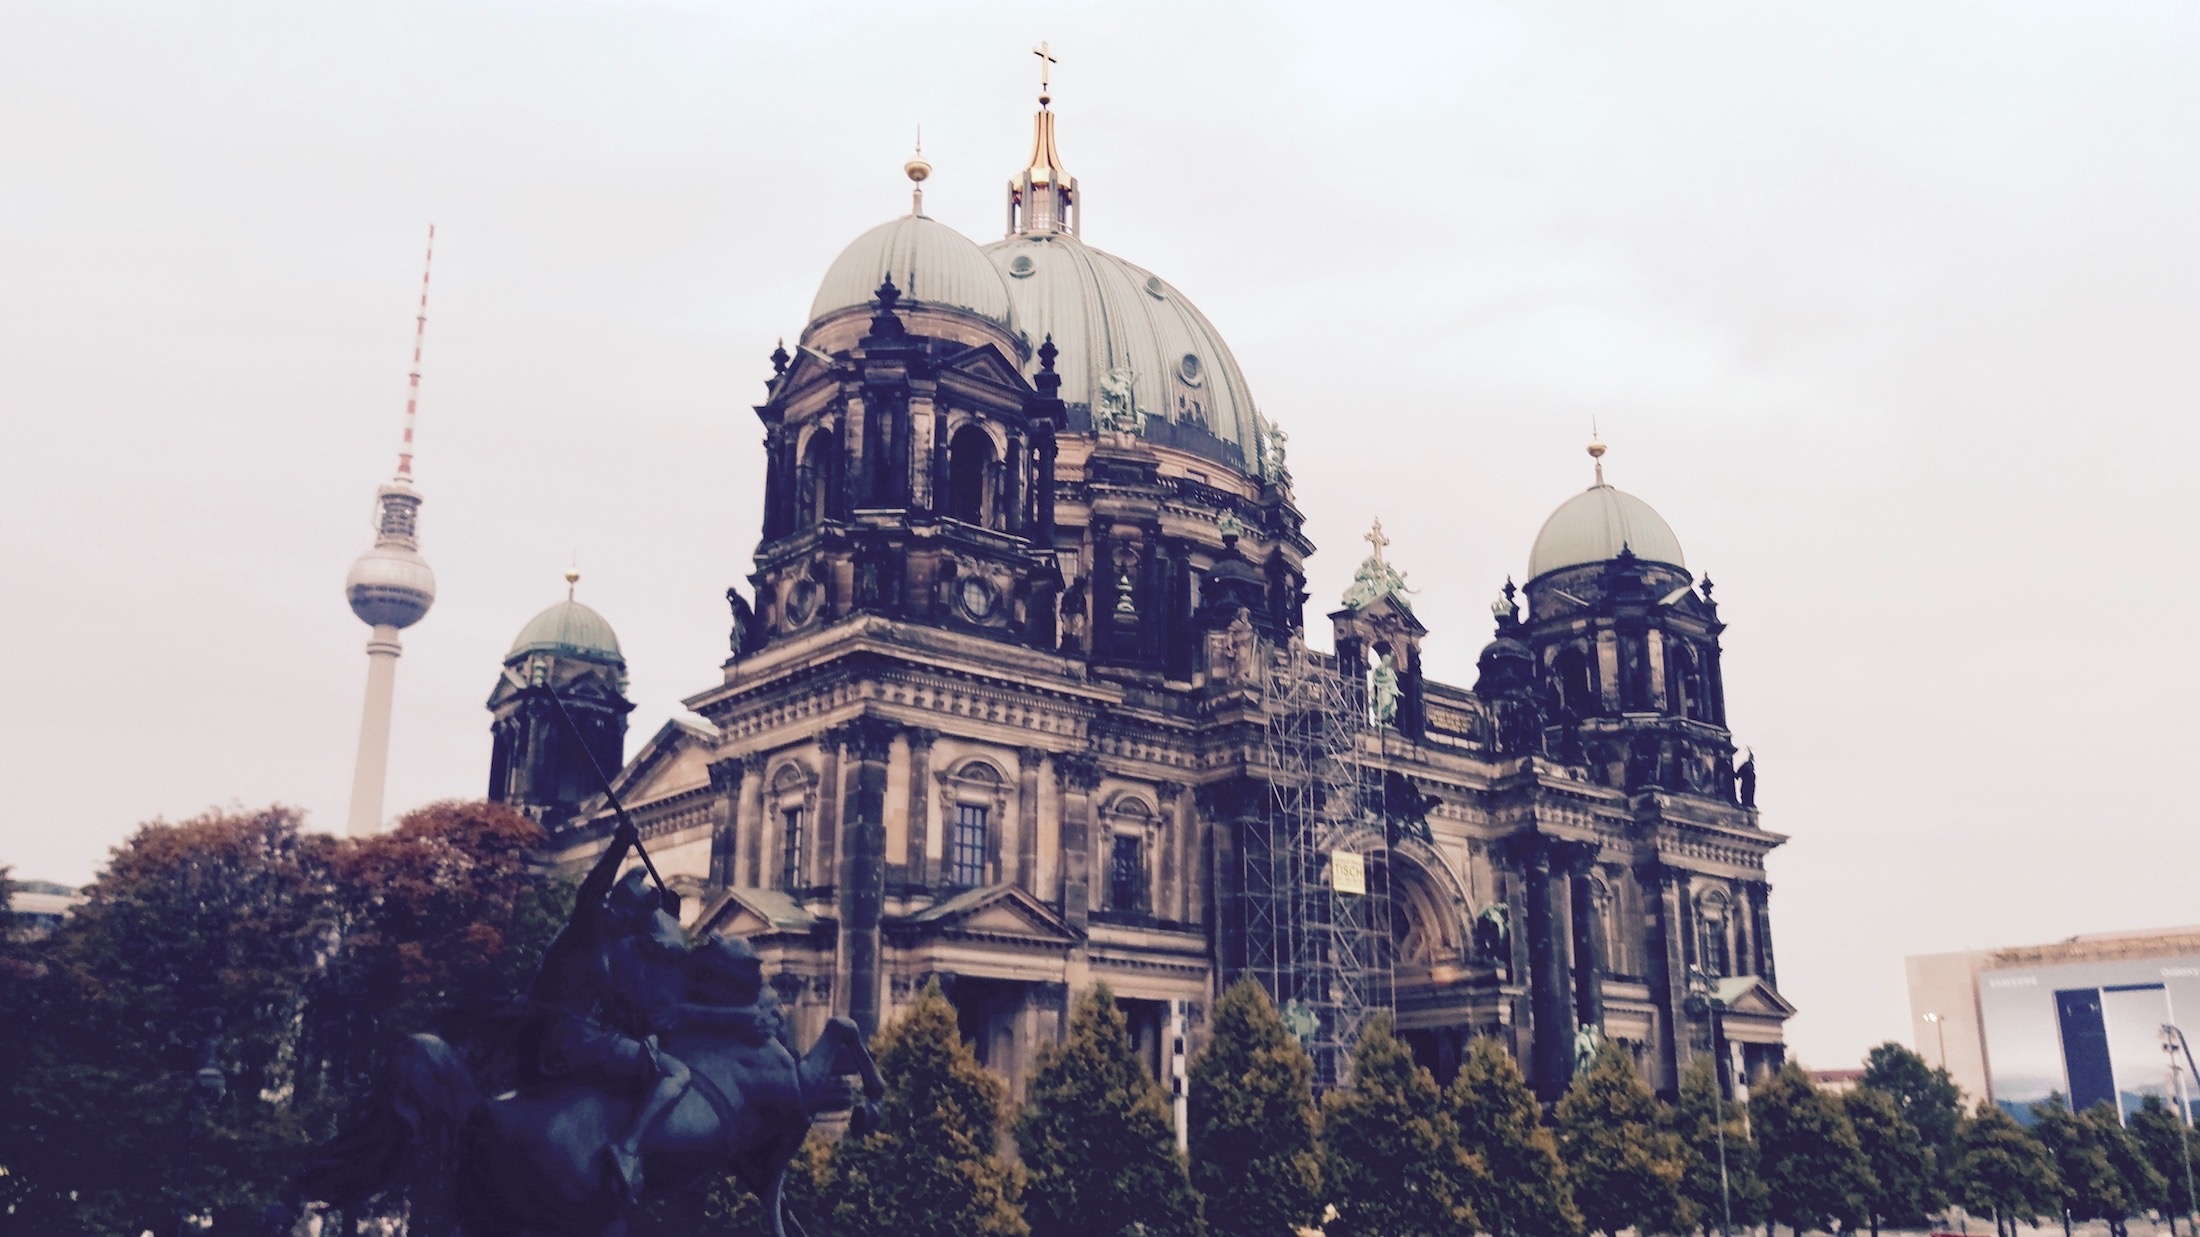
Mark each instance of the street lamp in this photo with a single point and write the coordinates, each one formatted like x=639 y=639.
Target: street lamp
x=1940 y=1029
x=1703 y=995
x=2172 y=1040
x=209 y=1084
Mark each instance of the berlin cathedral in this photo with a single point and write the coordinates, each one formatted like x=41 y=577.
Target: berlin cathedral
x=1020 y=698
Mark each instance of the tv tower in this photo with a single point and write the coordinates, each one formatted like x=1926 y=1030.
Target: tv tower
x=390 y=589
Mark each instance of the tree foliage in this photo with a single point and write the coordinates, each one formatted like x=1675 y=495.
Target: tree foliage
x=1098 y=1139
x=1929 y=1099
x=1252 y=1121
x=1626 y=1163
x=1815 y=1172
x=1901 y=1164
x=932 y=1168
x=2101 y=1171
x=2168 y=1146
x=277 y=957
x=1391 y=1160
x=2002 y=1171
x=1524 y=1190
x=1696 y=1119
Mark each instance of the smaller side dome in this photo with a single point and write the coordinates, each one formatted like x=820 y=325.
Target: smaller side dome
x=1593 y=526
x=569 y=629
x=931 y=263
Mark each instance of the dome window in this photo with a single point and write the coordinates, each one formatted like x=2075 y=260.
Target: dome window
x=1022 y=266
x=1189 y=370
x=1155 y=289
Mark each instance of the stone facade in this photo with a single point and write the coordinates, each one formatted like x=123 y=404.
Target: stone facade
x=994 y=718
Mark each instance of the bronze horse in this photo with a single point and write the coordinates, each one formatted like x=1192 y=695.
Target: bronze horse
x=531 y=1162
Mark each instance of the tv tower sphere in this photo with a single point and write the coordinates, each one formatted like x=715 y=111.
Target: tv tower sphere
x=390 y=585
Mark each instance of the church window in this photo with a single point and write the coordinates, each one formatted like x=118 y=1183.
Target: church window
x=1572 y=672
x=966 y=847
x=1711 y=952
x=814 y=480
x=790 y=849
x=969 y=459
x=1127 y=873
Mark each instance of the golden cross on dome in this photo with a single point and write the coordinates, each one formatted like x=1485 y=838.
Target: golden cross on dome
x=1376 y=539
x=1046 y=66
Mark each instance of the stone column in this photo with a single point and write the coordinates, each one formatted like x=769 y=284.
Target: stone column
x=725 y=790
x=752 y=825
x=1028 y=760
x=824 y=858
x=1550 y=963
x=1169 y=862
x=861 y=887
x=1080 y=776
x=921 y=873
x=1760 y=911
x=1590 y=961
x=1667 y=889
x=1047 y=448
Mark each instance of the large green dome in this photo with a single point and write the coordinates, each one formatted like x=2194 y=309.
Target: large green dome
x=569 y=629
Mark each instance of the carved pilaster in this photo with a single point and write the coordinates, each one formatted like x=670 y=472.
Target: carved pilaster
x=725 y=790
x=920 y=807
x=866 y=744
x=1028 y=760
x=750 y=824
x=1080 y=775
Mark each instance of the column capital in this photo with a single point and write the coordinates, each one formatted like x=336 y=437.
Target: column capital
x=725 y=774
x=753 y=764
x=1079 y=771
x=864 y=739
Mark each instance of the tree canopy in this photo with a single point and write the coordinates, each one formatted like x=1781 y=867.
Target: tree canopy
x=1098 y=1138
x=1815 y=1172
x=1524 y=1190
x=2002 y=1171
x=1900 y=1162
x=1392 y=1164
x=1252 y=1123
x=1696 y=1117
x=1625 y=1161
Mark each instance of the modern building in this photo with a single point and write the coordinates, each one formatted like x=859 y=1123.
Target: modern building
x=2083 y=1018
x=1021 y=698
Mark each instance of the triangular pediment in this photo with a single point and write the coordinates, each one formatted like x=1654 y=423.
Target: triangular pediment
x=1003 y=911
x=676 y=759
x=987 y=364
x=748 y=912
x=1749 y=996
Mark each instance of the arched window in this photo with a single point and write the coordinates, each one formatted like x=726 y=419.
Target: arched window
x=1571 y=670
x=814 y=480
x=1713 y=953
x=1690 y=688
x=969 y=460
x=1127 y=873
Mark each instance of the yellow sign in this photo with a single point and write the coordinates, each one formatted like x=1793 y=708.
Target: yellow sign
x=1347 y=872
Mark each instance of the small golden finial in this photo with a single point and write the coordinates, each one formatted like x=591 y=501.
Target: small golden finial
x=917 y=170
x=572 y=580
x=1596 y=450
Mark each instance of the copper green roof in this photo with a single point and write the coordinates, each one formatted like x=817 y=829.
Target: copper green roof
x=569 y=629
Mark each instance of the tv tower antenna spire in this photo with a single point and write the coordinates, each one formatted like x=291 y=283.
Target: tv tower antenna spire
x=390 y=588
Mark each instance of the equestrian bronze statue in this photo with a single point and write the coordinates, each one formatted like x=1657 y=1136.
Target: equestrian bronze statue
x=638 y=1065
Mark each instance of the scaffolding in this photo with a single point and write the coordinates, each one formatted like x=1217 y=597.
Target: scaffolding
x=1313 y=888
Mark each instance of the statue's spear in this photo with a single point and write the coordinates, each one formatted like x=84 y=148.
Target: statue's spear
x=603 y=780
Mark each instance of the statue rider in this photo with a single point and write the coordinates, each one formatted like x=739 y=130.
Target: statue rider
x=604 y=981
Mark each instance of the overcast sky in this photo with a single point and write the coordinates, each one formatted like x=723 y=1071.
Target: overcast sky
x=1889 y=308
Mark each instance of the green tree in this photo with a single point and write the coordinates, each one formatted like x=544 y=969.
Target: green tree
x=1696 y=1117
x=2102 y=1174
x=1929 y=1099
x=1255 y=1159
x=2002 y=1171
x=2168 y=1146
x=1815 y=1173
x=195 y=947
x=1391 y=1160
x=1097 y=1137
x=1625 y=1163
x=1524 y=1191
x=1901 y=1164
x=931 y=1169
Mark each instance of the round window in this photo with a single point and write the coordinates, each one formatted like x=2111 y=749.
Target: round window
x=1022 y=266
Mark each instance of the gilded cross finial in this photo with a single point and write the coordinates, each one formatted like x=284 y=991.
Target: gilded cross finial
x=1046 y=67
x=1376 y=539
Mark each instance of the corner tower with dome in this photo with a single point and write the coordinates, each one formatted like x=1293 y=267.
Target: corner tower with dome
x=1000 y=707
